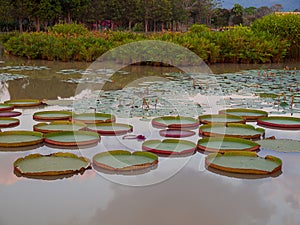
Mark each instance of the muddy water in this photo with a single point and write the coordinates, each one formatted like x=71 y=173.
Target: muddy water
x=180 y=191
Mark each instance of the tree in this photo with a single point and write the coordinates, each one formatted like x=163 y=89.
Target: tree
x=249 y=15
x=49 y=11
x=276 y=8
x=220 y=17
x=237 y=14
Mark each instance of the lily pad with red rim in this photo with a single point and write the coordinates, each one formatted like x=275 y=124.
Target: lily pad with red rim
x=10 y=114
x=8 y=122
x=52 y=115
x=6 y=107
x=247 y=114
x=72 y=138
x=94 y=118
x=121 y=160
x=220 y=118
x=225 y=144
x=243 y=162
x=280 y=122
x=20 y=138
x=176 y=133
x=110 y=128
x=24 y=102
x=51 y=165
x=175 y=122
x=59 y=126
x=231 y=130
x=169 y=146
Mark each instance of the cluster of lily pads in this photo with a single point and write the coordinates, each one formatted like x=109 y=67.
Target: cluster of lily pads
x=224 y=134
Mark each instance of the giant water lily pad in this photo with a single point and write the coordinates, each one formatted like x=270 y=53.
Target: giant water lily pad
x=205 y=119
x=280 y=145
x=10 y=114
x=94 y=118
x=176 y=133
x=280 y=122
x=20 y=138
x=247 y=114
x=225 y=144
x=52 y=115
x=9 y=122
x=51 y=165
x=243 y=162
x=121 y=160
x=6 y=107
x=24 y=102
x=72 y=138
x=175 y=122
x=58 y=126
x=110 y=128
x=169 y=146
x=231 y=130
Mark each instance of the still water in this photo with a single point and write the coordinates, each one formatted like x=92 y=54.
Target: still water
x=179 y=191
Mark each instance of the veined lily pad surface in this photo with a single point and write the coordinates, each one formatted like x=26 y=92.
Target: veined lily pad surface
x=247 y=114
x=24 y=102
x=52 y=115
x=175 y=122
x=10 y=113
x=110 y=128
x=20 y=138
x=51 y=165
x=72 y=138
x=243 y=162
x=280 y=121
x=59 y=126
x=169 y=146
x=6 y=107
x=225 y=144
x=176 y=133
x=205 y=119
x=94 y=118
x=280 y=145
x=121 y=160
x=9 y=122
x=231 y=130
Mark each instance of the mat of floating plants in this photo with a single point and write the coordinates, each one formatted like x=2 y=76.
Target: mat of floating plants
x=124 y=160
x=243 y=162
x=51 y=165
x=224 y=144
x=231 y=130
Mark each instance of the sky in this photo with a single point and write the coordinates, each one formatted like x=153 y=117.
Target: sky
x=288 y=5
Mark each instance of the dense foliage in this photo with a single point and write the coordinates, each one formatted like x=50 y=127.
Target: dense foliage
x=74 y=42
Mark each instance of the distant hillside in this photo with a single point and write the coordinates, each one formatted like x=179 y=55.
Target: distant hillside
x=288 y=5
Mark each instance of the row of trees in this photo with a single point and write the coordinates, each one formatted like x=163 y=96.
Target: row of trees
x=142 y=15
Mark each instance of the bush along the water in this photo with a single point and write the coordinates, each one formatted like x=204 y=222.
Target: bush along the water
x=68 y=42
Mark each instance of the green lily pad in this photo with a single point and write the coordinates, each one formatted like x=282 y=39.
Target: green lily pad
x=72 y=138
x=205 y=119
x=94 y=118
x=24 y=102
x=51 y=165
x=58 y=126
x=52 y=115
x=243 y=162
x=169 y=146
x=225 y=144
x=280 y=145
x=231 y=130
x=247 y=114
x=280 y=121
x=120 y=160
x=9 y=122
x=110 y=128
x=175 y=122
x=20 y=138
x=6 y=107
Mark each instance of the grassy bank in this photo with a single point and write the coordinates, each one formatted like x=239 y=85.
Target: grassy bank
x=240 y=44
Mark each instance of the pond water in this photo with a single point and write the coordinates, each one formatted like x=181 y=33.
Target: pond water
x=180 y=190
